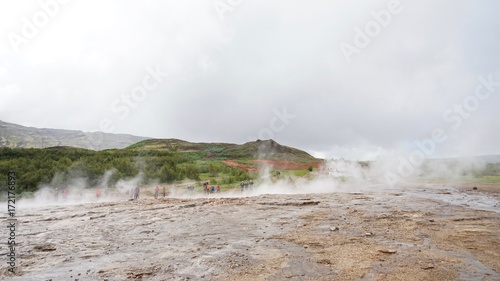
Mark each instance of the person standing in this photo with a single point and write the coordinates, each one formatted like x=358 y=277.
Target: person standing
x=157 y=190
x=136 y=193
x=164 y=191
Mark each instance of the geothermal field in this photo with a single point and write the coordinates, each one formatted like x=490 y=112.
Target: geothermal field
x=411 y=232
x=233 y=140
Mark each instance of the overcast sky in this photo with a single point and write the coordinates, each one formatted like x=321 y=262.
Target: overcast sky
x=337 y=78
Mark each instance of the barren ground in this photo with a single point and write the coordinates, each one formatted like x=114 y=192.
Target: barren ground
x=430 y=232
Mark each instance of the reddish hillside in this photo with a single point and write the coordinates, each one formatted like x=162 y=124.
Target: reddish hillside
x=285 y=165
x=279 y=165
x=239 y=165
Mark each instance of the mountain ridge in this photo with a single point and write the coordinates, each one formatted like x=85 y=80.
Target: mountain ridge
x=18 y=136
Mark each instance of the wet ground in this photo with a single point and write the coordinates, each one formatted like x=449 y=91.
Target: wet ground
x=422 y=232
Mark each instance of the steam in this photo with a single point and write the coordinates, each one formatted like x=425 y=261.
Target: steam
x=74 y=189
x=127 y=186
x=335 y=175
x=59 y=193
x=104 y=181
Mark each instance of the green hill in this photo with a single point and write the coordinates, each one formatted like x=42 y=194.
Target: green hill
x=57 y=157
x=165 y=161
x=259 y=149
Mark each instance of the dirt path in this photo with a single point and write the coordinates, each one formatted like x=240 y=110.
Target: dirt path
x=340 y=236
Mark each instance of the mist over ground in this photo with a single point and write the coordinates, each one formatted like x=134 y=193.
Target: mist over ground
x=335 y=175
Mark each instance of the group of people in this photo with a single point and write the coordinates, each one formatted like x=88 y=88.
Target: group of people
x=207 y=188
x=134 y=192
x=63 y=191
x=157 y=191
x=244 y=185
x=210 y=188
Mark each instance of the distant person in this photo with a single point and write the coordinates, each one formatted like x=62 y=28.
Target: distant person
x=242 y=186
x=65 y=193
x=136 y=193
x=164 y=191
x=212 y=189
x=217 y=188
x=98 y=192
x=56 y=194
x=157 y=190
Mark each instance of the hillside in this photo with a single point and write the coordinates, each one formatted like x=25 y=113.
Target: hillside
x=259 y=149
x=17 y=136
x=165 y=161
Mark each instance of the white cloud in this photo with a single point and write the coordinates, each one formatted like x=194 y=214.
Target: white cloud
x=228 y=76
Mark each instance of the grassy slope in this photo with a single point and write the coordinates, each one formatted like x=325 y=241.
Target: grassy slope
x=242 y=154
x=267 y=149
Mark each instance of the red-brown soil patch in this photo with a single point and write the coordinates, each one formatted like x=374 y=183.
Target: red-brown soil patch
x=233 y=163
x=279 y=165
x=285 y=165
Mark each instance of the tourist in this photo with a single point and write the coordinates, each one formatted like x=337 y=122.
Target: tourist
x=136 y=193
x=157 y=190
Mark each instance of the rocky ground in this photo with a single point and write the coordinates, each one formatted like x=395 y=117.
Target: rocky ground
x=428 y=232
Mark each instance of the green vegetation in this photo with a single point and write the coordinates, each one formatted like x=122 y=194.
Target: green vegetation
x=455 y=171
x=180 y=162
x=267 y=149
x=59 y=165
x=489 y=179
x=166 y=161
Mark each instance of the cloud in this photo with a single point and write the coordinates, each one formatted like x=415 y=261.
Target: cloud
x=227 y=77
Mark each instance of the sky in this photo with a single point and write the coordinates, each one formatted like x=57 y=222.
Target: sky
x=337 y=78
